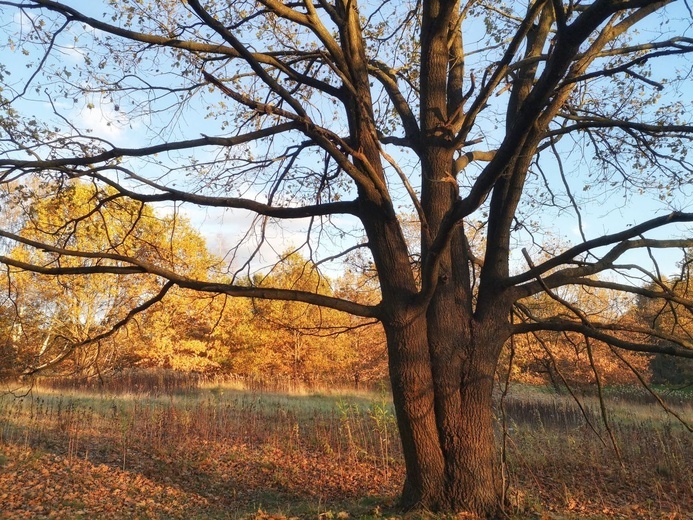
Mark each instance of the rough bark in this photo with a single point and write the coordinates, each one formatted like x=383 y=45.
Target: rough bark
x=442 y=388
x=412 y=390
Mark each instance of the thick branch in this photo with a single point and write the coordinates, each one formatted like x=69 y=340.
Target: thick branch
x=56 y=271
x=558 y=325
x=148 y=38
x=640 y=60
x=146 y=151
x=669 y=296
x=173 y=195
x=586 y=123
x=269 y=293
x=622 y=239
x=139 y=266
x=388 y=80
x=607 y=261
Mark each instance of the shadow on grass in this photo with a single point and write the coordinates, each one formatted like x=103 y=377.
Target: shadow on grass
x=229 y=454
x=166 y=458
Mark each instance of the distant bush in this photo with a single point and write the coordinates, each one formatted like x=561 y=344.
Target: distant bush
x=671 y=370
x=141 y=381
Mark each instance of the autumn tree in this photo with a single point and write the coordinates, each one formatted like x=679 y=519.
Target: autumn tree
x=365 y=338
x=668 y=318
x=322 y=119
x=183 y=332
x=295 y=339
x=567 y=358
x=68 y=318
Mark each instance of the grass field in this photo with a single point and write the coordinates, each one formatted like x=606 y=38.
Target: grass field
x=221 y=451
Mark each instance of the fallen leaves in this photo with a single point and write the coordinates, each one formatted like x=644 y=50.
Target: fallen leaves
x=172 y=461
x=38 y=484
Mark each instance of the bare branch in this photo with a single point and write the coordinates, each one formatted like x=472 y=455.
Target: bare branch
x=595 y=333
x=622 y=239
x=173 y=195
x=116 y=153
x=141 y=266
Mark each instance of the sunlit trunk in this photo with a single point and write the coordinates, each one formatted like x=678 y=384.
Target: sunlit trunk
x=412 y=390
x=466 y=430
x=445 y=417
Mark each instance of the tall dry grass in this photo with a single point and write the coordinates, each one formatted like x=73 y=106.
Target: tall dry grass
x=558 y=455
x=183 y=415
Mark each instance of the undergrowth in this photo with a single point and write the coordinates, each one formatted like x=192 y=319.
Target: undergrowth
x=227 y=452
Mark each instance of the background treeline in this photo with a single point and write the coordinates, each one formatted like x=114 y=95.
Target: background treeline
x=46 y=318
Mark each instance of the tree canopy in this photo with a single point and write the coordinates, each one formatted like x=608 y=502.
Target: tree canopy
x=326 y=121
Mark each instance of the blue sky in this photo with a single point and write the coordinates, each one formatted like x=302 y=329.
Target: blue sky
x=104 y=117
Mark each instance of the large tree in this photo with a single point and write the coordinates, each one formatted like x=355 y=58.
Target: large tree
x=478 y=117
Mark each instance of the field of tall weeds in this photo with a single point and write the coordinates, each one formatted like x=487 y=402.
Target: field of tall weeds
x=168 y=446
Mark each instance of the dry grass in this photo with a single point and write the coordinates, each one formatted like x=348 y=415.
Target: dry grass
x=210 y=450
x=560 y=465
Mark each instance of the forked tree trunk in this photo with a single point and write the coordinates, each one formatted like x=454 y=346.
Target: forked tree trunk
x=447 y=433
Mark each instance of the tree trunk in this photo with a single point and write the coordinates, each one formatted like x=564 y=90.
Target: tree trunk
x=471 y=462
x=444 y=411
x=413 y=395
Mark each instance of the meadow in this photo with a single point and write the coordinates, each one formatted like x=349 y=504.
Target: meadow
x=172 y=447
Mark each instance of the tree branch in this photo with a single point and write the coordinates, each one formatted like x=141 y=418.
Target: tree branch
x=558 y=325
x=141 y=266
x=387 y=79
x=585 y=123
x=173 y=195
x=71 y=348
x=621 y=238
x=115 y=152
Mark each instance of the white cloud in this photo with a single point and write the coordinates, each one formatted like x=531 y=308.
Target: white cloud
x=101 y=119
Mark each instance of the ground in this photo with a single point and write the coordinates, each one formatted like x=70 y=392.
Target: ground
x=219 y=453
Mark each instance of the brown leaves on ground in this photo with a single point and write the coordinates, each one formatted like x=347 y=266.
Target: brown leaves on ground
x=225 y=482
x=264 y=482
x=264 y=460
x=38 y=484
